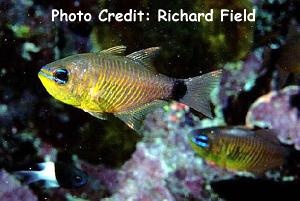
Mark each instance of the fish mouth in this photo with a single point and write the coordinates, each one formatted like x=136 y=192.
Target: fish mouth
x=198 y=138
x=192 y=135
x=45 y=73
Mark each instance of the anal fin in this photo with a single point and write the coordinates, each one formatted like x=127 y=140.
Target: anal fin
x=135 y=117
x=98 y=115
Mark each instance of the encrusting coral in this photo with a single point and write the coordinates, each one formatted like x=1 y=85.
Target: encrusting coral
x=12 y=190
x=278 y=110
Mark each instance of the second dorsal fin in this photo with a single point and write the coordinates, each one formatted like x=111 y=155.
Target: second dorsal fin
x=145 y=56
x=117 y=50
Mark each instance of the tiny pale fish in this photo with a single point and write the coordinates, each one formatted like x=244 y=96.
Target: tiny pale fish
x=53 y=175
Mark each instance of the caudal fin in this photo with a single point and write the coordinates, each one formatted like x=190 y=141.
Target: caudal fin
x=198 y=91
x=28 y=177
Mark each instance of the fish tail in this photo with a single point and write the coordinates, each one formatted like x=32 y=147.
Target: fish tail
x=28 y=177
x=195 y=92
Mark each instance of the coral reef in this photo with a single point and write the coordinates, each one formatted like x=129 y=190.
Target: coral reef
x=237 y=78
x=164 y=167
x=12 y=190
x=278 y=110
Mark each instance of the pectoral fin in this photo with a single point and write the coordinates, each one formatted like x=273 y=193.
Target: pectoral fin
x=134 y=118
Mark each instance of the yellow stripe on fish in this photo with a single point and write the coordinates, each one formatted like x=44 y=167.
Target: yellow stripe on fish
x=126 y=86
x=240 y=149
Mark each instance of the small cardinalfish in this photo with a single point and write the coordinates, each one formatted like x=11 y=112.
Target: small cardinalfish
x=126 y=86
x=239 y=148
x=53 y=175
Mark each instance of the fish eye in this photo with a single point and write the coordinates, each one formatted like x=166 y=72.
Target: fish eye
x=201 y=140
x=78 y=179
x=61 y=76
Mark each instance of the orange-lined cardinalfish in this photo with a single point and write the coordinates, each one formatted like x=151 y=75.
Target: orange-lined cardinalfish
x=239 y=148
x=53 y=175
x=126 y=86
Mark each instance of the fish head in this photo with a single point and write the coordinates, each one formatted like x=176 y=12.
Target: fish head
x=201 y=140
x=53 y=175
x=79 y=179
x=63 y=79
x=69 y=176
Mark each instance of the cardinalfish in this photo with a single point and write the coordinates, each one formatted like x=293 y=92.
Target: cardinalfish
x=53 y=175
x=239 y=148
x=126 y=86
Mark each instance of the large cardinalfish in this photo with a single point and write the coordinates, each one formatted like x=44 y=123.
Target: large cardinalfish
x=126 y=86
x=239 y=148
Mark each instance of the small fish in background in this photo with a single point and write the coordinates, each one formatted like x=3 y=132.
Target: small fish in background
x=288 y=60
x=54 y=175
x=239 y=148
x=126 y=86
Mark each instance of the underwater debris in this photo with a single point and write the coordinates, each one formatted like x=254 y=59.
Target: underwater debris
x=12 y=190
x=276 y=111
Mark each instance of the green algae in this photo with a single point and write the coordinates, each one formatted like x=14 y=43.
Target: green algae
x=20 y=31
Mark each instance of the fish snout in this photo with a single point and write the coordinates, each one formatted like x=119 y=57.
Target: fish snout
x=45 y=72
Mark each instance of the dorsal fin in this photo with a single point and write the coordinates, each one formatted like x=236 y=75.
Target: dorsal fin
x=145 y=56
x=239 y=131
x=268 y=134
x=117 y=50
